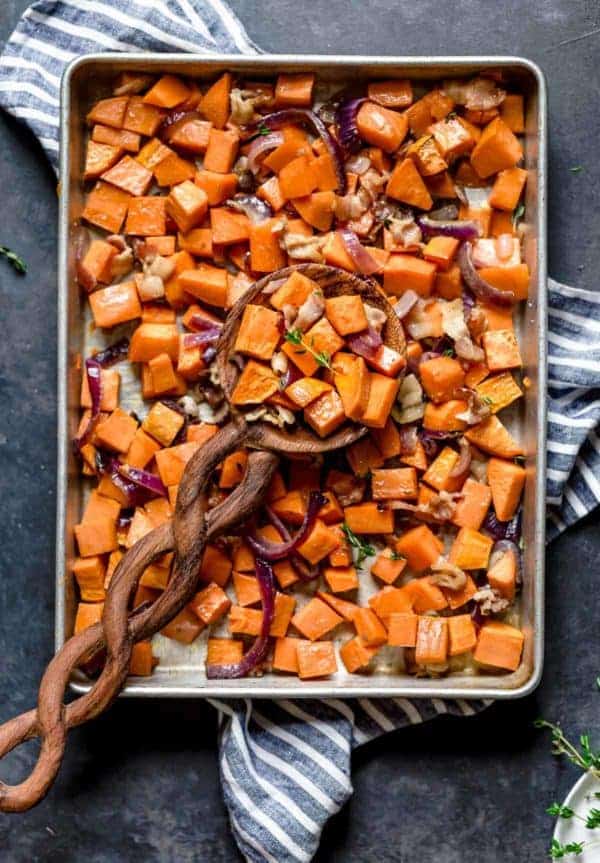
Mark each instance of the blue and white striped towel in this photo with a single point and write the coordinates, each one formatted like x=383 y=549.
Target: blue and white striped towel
x=285 y=765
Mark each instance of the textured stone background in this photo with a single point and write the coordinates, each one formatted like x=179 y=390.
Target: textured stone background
x=141 y=784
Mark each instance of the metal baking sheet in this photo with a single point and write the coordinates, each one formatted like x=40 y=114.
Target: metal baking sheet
x=181 y=669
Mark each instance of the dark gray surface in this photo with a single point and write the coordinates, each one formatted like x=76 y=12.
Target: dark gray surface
x=141 y=784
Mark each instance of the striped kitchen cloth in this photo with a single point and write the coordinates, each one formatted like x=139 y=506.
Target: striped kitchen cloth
x=285 y=765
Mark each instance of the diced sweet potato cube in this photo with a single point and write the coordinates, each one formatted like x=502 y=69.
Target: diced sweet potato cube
x=340 y=578
x=233 y=469
x=363 y=457
x=187 y=204
x=353 y=383
x=402 y=629
x=88 y=613
x=395 y=93
x=444 y=417
x=502 y=575
x=511 y=111
x=452 y=137
x=221 y=151
x=129 y=175
x=142 y=118
x=420 y=546
x=115 y=304
x=215 y=102
x=285 y=657
x=117 y=431
x=109 y=112
x=96 y=537
x=506 y=481
x=319 y=542
x=346 y=314
x=146 y=216
x=369 y=517
x=105 y=207
x=316 y=659
x=109 y=380
x=163 y=424
x=496 y=150
x=472 y=508
x=461 y=633
x=425 y=596
x=191 y=136
x=370 y=629
x=501 y=350
x=499 y=391
x=185 y=627
x=167 y=92
x=471 y=549
x=322 y=338
x=493 y=437
x=164 y=378
x=440 y=377
x=99 y=158
x=507 y=189
x=96 y=264
x=426 y=156
x=142 y=662
x=206 y=283
x=247 y=590
x=228 y=227
x=356 y=655
x=294 y=91
x=210 y=604
x=298 y=178
x=99 y=506
x=215 y=566
x=432 y=640
x=390 y=600
x=499 y=645
x=293 y=292
x=325 y=414
x=155 y=577
x=399 y=483
x=217 y=187
x=304 y=391
x=150 y=339
x=224 y=651
x=381 y=127
x=408 y=273
x=382 y=394
x=406 y=185
x=441 y=251
x=316 y=619
x=388 y=566
x=439 y=472
x=256 y=383
x=90 y=573
x=259 y=333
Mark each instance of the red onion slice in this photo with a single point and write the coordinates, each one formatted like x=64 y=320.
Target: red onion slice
x=303 y=115
x=365 y=263
x=345 y=119
x=406 y=303
x=481 y=288
x=305 y=572
x=113 y=353
x=93 y=371
x=262 y=144
x=144 y=479
x=258 y=651
x=273 y=551
x=200 y=324
x=109 y=466
x=366 y=344
x=460 y=230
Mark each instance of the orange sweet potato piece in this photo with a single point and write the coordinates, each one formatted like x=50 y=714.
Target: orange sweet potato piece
x=387 y=440
x=363 y=456
x=502 y=575
x=142 y=118
x=217 y=187
x=390 y=600
x=109 y=399
x=259 y=332
x=233 y=469
x=402 y=629
x=295 y=144
x=369 y=628
x=315 y=660
x=501 y=350
x=320 y=542
x=441 y=251
x=298 y=178
x=426 y=156
x=316 y=619
x=304 y=391
x=173 y=170
x=499 y=391
x=206 y=283
x=117 y=431
x=336 y=254
x=432 y=640
x=224 y=651
x=448 y=284
x=406 y=185
x=514 y=278
x=317 y=208
x=356 y=655
x=453 y=137
x=210 y=604
x=164 y=379
x=443 y=417
x=394 y=93
x=167 y=92
x=420 y=547
x=497 y=149
x=106 y=207
x=425 y=596
x=228 y=227
x=472 y=508
x=408 y=273
x=90 y=573
x=215 y=566
x=369 y=517
x=109 y=112
x=149 y=340
x=325 y=414
x=142 y=662
x=266 y=255
x=285 y=656
x=499 y=645
x=346 y=314
x=511 y=111
x=382 y=394
x=440 y=377
x=256 y=383
x=215 y=102
x=439 y=472
x=97 y=536
x=494 y=438
x=88 y=613
x=353 y=383
x=506 y=481
x=294 y=91
x=507 y=189
x=388 y=566
x=185 y=627
x=187 y=204
x=129 y=176
x=146 y=216
x=340 y=578
x=99 y=158
x=471 y=549
x=96 y=264
x=246 y=588
x=270 y=192
x=163 y=424
x=462 y=636
x=399 y=483
x=381 y=127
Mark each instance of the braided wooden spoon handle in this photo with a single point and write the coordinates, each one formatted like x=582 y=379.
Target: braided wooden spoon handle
x=186 y=534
